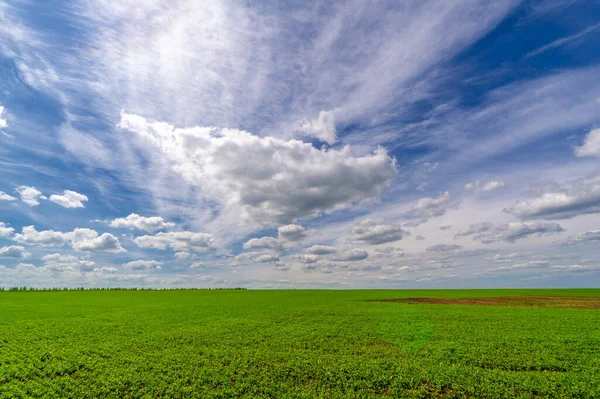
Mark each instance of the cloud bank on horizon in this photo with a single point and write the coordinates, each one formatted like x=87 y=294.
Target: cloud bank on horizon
x=339 y=144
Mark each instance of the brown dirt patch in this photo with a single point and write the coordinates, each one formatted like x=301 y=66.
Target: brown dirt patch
x=578 y=302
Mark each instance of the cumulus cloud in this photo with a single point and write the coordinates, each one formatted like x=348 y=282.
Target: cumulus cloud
x=6 y=197
x=432 y=207
x=135 y=221
x=589 y=236
x=267 y=258
x=291 y=232
x=30 y=195
x=14 y=251
x=353 y=255
x=448 y=227
x=394 y=251
x=5 y=231
x=591 y=145
x=307 y=259
x=486 y=233
x=321 y=250
x=103 y=243
x=375 y=232
x=69 y=199
x=59 y=263
x=281 y=181
x=443 y=248
x=255 y=244
x=475 y=229
x=177 y=241
x=81 y=239
x=184 y=256
x=419 y=237
x=323 y=127
x=143 y=265
x=487 y=187
x=564 y=201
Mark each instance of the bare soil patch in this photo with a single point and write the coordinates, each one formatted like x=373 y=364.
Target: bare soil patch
x=579 y=302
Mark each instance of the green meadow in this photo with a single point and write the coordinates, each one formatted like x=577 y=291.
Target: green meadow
x=294 y=344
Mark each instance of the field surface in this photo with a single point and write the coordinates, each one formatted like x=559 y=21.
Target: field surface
x=299 y=344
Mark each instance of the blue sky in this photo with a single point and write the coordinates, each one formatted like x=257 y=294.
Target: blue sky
x=320 y=144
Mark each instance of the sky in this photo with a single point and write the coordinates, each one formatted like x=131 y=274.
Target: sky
x=300 y=144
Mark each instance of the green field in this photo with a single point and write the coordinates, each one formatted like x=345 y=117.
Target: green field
x=294 y=344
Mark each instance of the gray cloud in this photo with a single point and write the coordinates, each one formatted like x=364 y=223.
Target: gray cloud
x=263 y=243
x=443 y=248
x=353 y=255
x=14 y=251
x=292 y=232
x=375 y=232
x=486 y=233
x=284 y=180
x=564 y=201
x=589 y=236
x=432 y=207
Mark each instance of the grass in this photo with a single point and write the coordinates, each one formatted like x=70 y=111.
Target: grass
x=294 y=344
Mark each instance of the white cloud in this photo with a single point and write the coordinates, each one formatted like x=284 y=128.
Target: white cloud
x=184 y=256
x=177 y=241
x=532 y=264
x=487 y=187
x=81 y=239
x=197 y=265
x=14 y=251
x=353 y=255
x=563 y=201
x=591 y=146
x=30 y=195
x=492 y=186
x=60 y=263
x=292 y=232
x=104 y=243
x=321 y=250
x=263 y=243
x=69 y=199
x=281 y=181
x=3 y=122
x=46 y=238
x=143 y=265
x=375 y=232
x=487 y=233
x=6 y=197
x=322 y=127
x=5 y=231
x=135 y=221
x=432 y=207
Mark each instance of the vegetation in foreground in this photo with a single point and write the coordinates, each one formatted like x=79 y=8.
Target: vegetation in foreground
x=294 y=344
